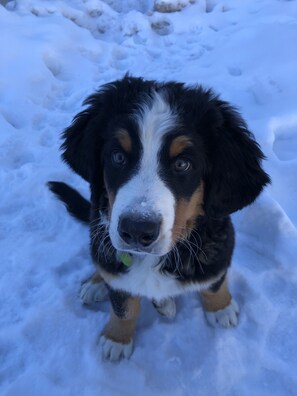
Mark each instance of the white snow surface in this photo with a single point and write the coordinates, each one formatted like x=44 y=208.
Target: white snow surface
x=52 y=55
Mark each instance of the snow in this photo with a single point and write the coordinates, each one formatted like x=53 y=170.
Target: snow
x=53 y=54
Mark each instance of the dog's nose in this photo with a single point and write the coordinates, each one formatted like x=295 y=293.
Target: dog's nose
x=136 y=231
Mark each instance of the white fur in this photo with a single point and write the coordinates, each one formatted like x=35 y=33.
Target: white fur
x=144 y=279
x=166 y=307
x=91 y=292
x=114 y=351
x=146 y=194
x=227 y=317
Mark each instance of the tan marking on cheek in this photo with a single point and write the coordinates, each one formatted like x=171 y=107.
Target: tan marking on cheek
x=124 y=140
x=186 y=213
x=213 y=302
x=122 y=329
x=178 y=145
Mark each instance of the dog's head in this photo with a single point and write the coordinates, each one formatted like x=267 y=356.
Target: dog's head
x=165 y=154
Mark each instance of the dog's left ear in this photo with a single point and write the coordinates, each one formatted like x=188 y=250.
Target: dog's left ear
x=236 y=177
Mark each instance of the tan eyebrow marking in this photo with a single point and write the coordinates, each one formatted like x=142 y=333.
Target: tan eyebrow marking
x=178 y=145
x=124 y=139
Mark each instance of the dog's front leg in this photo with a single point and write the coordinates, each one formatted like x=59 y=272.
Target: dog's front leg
x=219 y=306
x=117 y=336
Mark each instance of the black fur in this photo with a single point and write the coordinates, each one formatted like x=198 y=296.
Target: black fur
x=216 y=286
x=75 y=203
x=210 y=253
x=118 y=301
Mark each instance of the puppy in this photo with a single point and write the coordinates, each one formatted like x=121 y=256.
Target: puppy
x=167 y=164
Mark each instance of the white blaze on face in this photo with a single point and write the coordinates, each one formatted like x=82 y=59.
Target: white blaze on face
x=146 y=194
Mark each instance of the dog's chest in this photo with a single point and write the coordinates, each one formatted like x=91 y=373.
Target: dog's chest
x=145 y=279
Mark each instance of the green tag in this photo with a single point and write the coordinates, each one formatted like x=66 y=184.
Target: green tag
x=126 y=259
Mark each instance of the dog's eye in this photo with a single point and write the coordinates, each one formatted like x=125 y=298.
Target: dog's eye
x=182 y=165
x=118 y=158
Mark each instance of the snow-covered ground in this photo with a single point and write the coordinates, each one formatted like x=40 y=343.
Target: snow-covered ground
x=52 y=54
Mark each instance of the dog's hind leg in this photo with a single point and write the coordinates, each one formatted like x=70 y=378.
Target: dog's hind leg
x=93 y=290
x=166 y=307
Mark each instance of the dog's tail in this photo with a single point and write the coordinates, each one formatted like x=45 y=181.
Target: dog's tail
x=76 y=204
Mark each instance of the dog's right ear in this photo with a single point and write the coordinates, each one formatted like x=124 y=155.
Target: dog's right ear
x=83 y=138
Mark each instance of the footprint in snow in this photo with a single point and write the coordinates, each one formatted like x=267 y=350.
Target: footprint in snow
x=15 y=155
x=12 y=359
x=16 y=120
x=162 y=27
x=234 y=71
x=52 y=63
x=166 y=6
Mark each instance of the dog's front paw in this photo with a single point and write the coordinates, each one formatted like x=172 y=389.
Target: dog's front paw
x=226 y=317
x=114 y=351
x=92 y=292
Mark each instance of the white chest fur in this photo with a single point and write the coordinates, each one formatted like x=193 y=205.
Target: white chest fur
x=145 y=279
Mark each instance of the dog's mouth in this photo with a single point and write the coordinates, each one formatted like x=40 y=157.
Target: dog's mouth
x=153 y=250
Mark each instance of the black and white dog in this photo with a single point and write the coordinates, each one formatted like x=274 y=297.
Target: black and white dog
x=167 y=164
